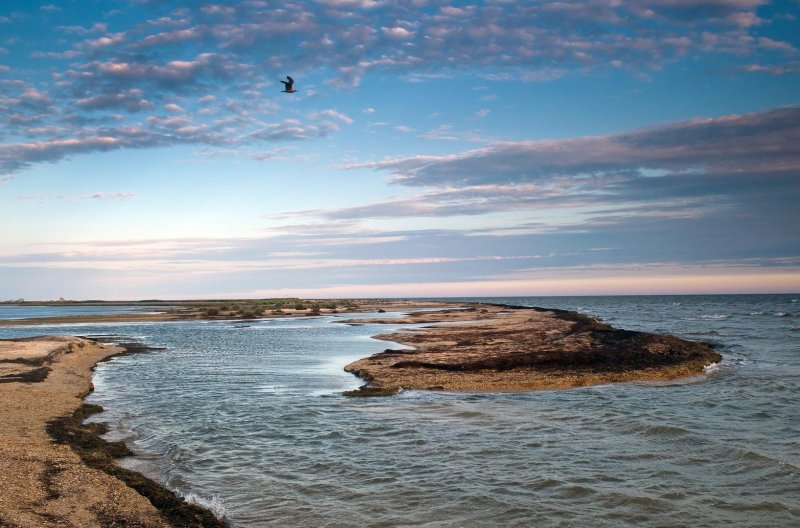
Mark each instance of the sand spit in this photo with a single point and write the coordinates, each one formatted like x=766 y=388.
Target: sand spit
x=499 y=348
x=46 y=451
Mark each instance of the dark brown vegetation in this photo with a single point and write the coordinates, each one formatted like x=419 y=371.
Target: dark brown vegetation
x=512 y=348
x=97 y=453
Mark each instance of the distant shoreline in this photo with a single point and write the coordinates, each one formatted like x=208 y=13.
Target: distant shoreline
x=225 y=310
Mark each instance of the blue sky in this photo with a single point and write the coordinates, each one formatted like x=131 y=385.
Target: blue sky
x=433 y=148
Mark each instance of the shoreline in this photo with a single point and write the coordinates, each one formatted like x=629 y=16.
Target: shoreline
x=65 y=473
x=492 y=348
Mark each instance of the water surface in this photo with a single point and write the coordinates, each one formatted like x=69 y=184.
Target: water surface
x=247 y=417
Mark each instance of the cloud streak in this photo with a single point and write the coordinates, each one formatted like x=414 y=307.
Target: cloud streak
x=708 y=185
x=763 y=142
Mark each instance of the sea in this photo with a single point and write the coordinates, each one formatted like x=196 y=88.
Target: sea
x=248 y=419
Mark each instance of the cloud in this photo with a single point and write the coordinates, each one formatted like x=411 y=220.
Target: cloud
x=98 y=27
x=791 y=67
x=703 y=187
x=397 y=33
x=131 y=100
x=174 y=73
x=231 y=51
x=115 y=195
x=537 y=41
x=333 y=114
x=733 y=144
x=14 y=157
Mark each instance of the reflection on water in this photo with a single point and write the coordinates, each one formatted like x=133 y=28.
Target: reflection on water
x=250 y=421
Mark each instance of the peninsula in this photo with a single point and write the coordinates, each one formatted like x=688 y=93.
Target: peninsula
x=504 y=348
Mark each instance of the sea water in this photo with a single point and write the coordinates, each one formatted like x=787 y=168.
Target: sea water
x=247 y=418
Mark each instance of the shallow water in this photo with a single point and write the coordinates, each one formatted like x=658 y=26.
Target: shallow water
x=13 y=311
x=247 y=418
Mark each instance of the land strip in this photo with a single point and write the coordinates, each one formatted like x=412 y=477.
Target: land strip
x=58 y=471
x=246 y=309
x=501 y=348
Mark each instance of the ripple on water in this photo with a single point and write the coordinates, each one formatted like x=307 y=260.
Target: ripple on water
x=250 y=419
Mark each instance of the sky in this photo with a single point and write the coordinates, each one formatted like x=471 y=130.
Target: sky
x=433 y=148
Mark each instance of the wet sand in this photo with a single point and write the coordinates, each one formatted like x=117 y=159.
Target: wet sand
x=497 y=348
x=46 y=452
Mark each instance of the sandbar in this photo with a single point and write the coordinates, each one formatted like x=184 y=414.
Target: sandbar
x=504 y=348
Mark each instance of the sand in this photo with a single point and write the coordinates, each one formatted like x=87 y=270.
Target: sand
x=496 y=348
x=47 y=484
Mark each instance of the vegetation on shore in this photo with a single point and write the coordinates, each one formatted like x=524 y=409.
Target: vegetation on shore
x=510 y=348
x=97 y=453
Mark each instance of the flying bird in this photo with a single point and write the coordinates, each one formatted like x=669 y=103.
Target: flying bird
x=288 y=86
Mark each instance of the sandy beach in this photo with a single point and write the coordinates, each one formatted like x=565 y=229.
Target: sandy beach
x=44 y=448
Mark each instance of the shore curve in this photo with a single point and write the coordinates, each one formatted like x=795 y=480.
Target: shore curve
x=59 y=471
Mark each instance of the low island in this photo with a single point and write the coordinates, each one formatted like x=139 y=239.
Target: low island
x=507 y=348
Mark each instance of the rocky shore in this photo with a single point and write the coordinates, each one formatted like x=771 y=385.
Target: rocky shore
x=502 y=348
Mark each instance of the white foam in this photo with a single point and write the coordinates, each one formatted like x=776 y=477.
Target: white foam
x=781 y=314
x=756 y=313
x=213 y=503
x=711 y=369
x=714 y=317
x=277 y=389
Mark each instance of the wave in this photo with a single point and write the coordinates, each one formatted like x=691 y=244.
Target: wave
x=213 y=503
x=665 y=430
x=714 y=317
x=711 y=369
x=782 y=314
x=756 y=313
x=703 y=333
